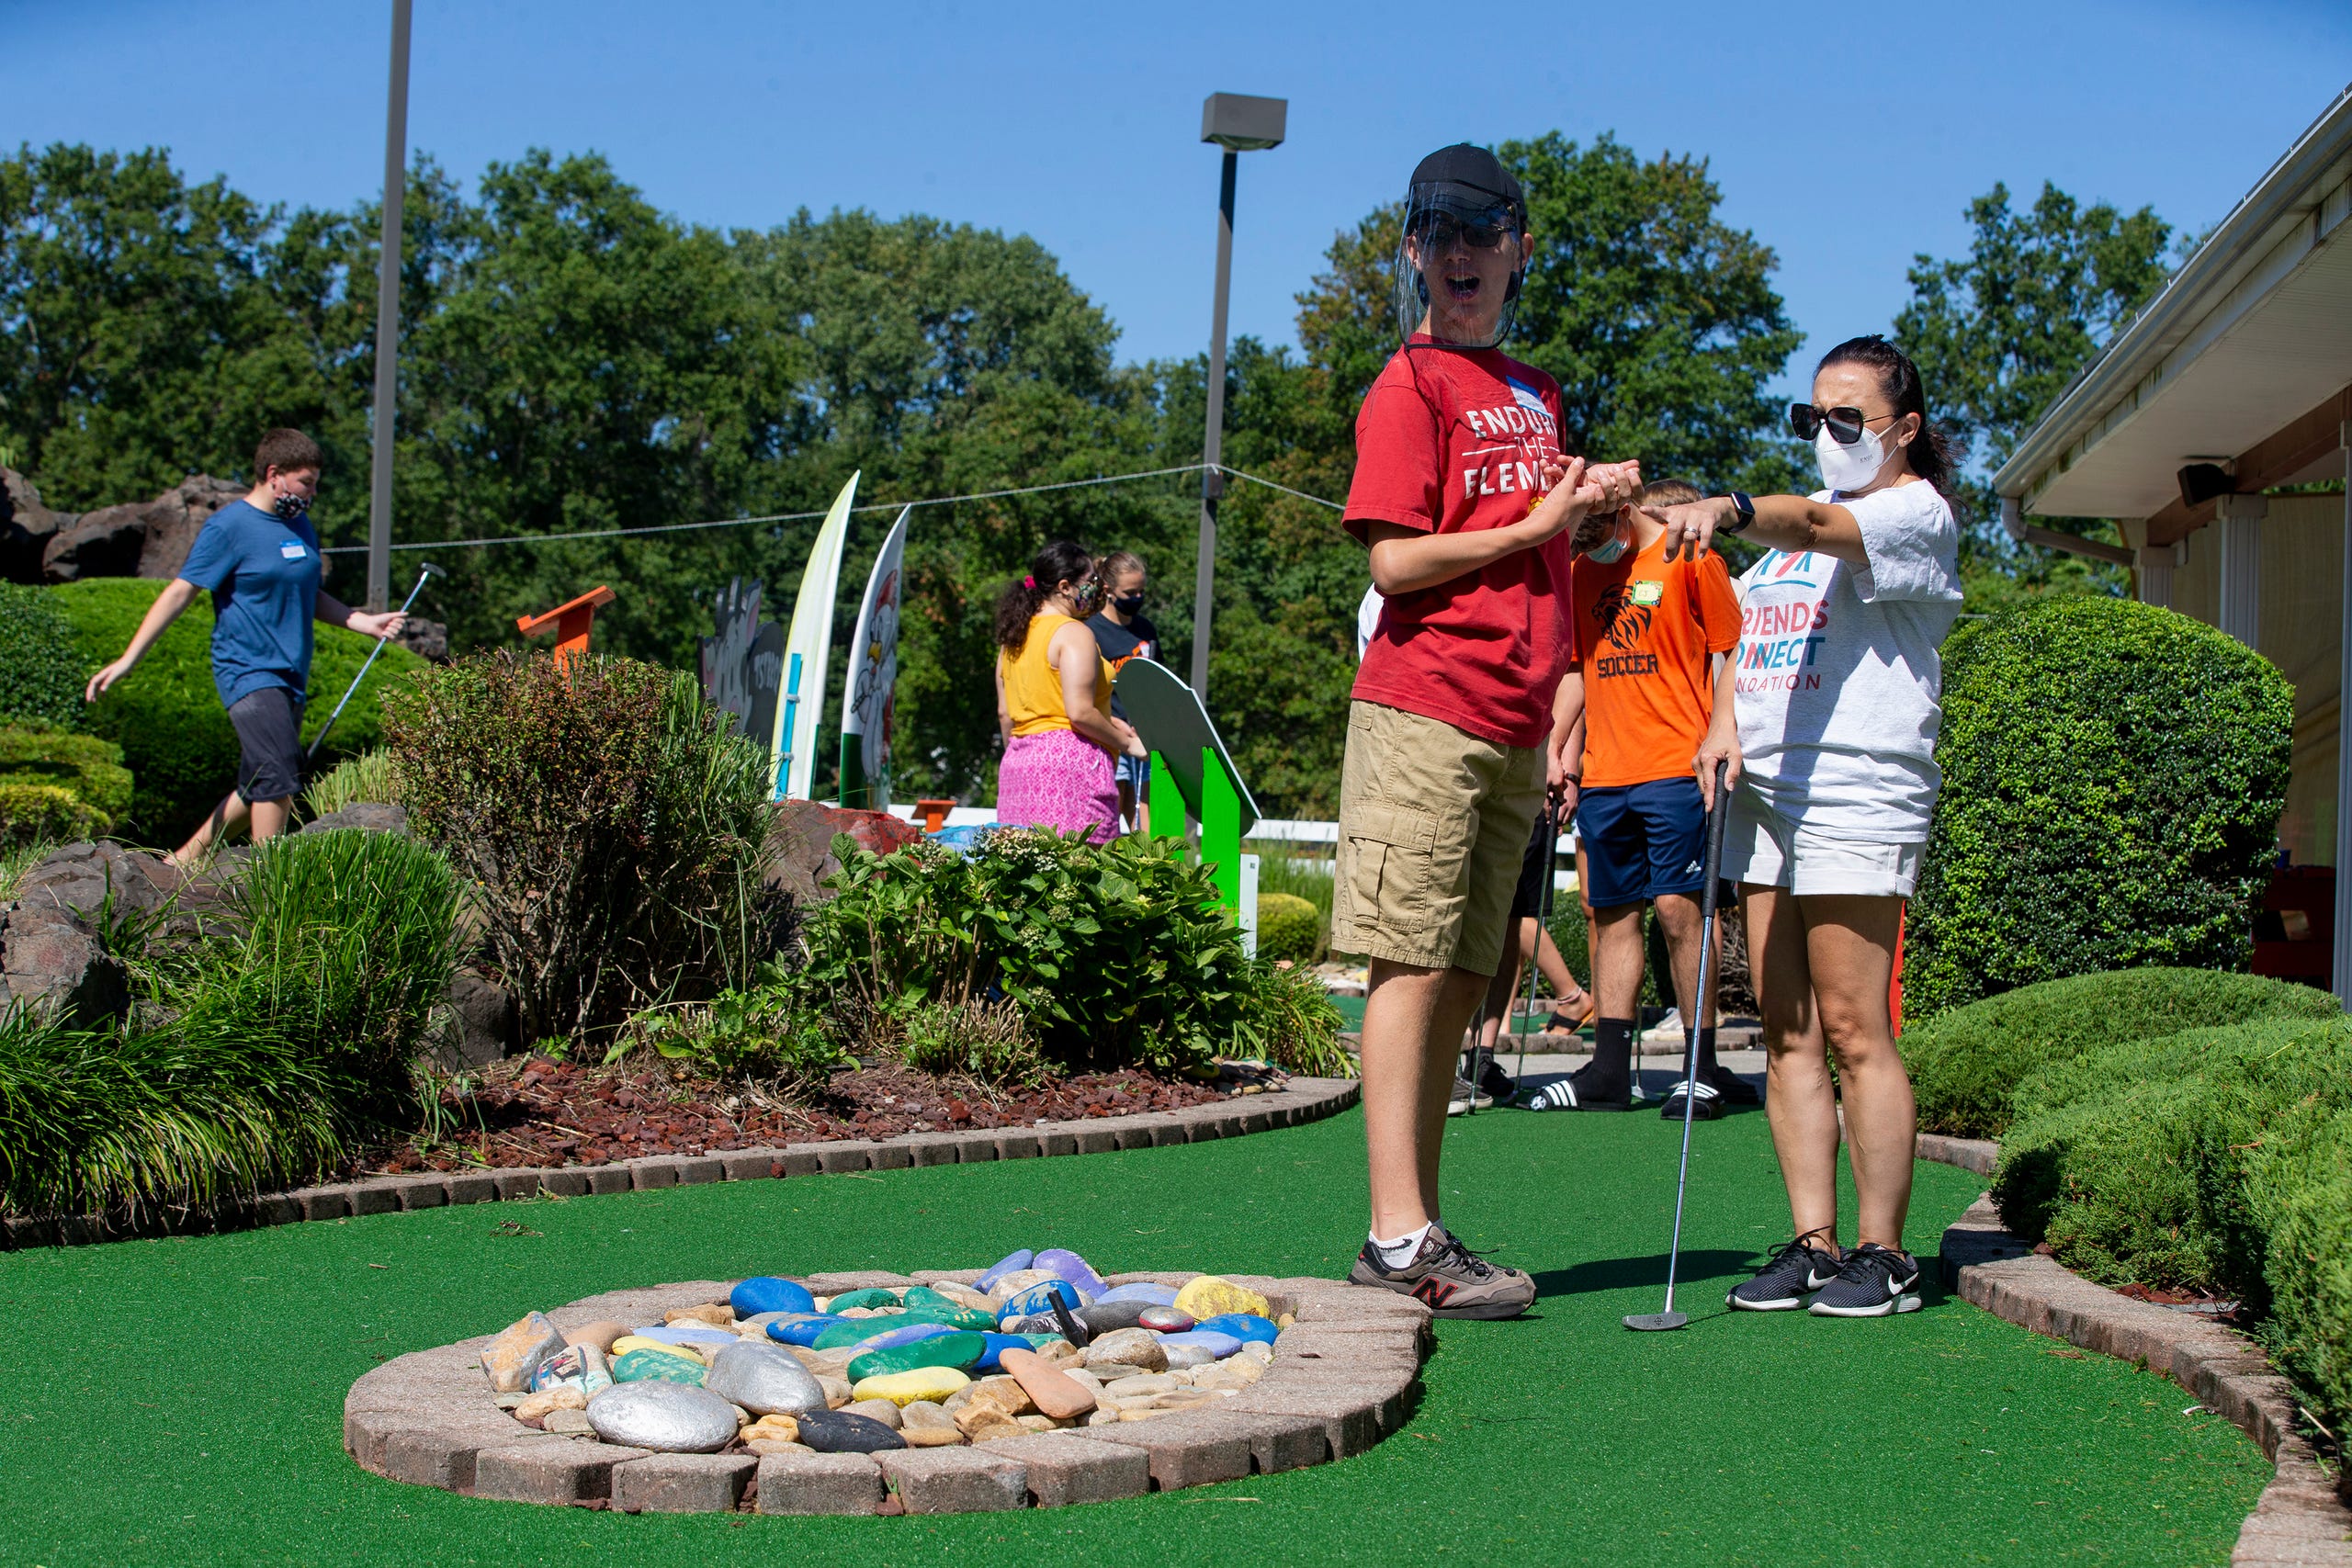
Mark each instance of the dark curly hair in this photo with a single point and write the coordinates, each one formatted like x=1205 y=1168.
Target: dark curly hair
x=1062 y=561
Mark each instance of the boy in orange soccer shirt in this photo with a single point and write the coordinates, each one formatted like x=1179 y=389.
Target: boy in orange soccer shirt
x=1647 y=630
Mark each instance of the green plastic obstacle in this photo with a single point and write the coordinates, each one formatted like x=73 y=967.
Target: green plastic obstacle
x=1192 y=773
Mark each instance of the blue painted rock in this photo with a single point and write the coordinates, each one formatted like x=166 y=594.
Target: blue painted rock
x=905 y=1334
x=1000 y=1343
x=658 y=1366
x=803 y=1331
x=1155 y=1295
x=839 y=1432
x=1069 y=1265
x=1039 y=1299
x=687 y=1334
x=871 y=1297
x=1163 y=1319
x=1103 y=1317
x=955 y=1348
x=574 y=1366
x=664 y=1417
x=770 y=1293
x=1243 y=1325
x=1218 y=1346
x=1011 y=1263
x=766 y=1380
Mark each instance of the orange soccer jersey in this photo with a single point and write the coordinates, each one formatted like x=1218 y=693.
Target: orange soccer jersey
x=1645 y=626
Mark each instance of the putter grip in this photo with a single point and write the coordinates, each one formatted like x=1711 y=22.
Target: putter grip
x=1716 y=819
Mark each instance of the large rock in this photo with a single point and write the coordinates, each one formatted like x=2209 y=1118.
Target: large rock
x=800 y=848
x=139 y=539
x=486 y=1027
x=26 y=527
x=52 y=961
x=374 y=816
x=426 y=639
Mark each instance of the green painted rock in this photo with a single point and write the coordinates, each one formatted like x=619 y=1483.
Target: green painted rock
x=950 y=1315
x=922 y=1296
x=658 y=1366
x=874 y=1297
x=961 y=1350
x=844 y=1333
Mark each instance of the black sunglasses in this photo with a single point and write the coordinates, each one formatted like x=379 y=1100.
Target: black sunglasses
x=1439 y=230
x=1845 y=424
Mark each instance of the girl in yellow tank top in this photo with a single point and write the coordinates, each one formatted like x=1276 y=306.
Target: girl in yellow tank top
x=1059 y=733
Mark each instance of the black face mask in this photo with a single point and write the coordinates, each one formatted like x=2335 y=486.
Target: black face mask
x=1130 y=603
x=289 y=507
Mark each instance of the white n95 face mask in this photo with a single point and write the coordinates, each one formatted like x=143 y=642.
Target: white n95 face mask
x=1847 y=467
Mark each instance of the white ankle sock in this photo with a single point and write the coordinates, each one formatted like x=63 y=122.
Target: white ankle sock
x=1397 y=1253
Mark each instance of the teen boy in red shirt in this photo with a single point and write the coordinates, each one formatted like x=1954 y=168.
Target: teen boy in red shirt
x=1468 y=506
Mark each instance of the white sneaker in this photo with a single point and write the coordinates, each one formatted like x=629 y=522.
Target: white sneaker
x=1666 y=1030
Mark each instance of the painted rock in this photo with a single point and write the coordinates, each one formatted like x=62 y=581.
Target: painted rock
x=1243 y=1325
x=1130 y=1347
x=1020 y=1279
x=1011 y=1262
x=926 y=1383
x=872 y=1297
x=692 y=1335
x=850 y=1331
x=1104 y=1316
x=629 y=1344
x=582 y=1366
x=1033 y=1300
x=1000 y=1343
x=1054 y=1393
x=915 y=1296
x=667 y=1418
x=839 y=1432
x=601 y=1334
x=654 y=1364
x=770 y=1292
x=803 y=1331
x=1156 y=1295
x=905 y=1334
x=510 y=1360
x=766 y=1380
x=1209 y=1296
x=1068 y=1265
x=1163 y=1319
x=953 y=1316
x=1218 y=1346
x=954 y=1349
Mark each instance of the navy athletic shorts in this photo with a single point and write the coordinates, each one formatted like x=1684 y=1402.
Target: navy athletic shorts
x=1641 y=841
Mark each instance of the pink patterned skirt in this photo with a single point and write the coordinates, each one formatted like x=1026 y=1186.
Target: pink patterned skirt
x=1057 y=779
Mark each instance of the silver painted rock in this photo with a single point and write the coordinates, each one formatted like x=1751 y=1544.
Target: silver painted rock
x=668 y=1417
x=765 y=1379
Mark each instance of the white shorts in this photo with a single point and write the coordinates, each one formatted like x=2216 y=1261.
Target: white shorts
x=1762 y=847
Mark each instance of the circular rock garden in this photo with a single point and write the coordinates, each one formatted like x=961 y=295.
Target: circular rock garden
x=1037 y=1381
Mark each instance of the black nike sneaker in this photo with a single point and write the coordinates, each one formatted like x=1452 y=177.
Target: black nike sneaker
x=1872 y=1282
x=1448 y=1278
x=1795 y=1268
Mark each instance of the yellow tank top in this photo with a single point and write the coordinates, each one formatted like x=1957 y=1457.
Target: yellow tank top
x=1033 y=693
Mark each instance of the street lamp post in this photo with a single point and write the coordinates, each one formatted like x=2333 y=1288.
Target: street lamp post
x=388 y=319
x=1238 y=123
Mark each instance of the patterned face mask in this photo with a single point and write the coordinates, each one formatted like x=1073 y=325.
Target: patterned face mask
x=289 y=507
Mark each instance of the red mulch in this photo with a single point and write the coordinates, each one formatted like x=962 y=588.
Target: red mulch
x=532 y=1111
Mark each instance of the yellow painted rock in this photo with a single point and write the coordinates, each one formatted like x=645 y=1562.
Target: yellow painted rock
x=1209 y=1296
x=902 y=1389
x=628 y=1342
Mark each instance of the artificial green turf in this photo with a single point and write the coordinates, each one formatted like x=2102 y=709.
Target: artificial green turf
x=180 y=1401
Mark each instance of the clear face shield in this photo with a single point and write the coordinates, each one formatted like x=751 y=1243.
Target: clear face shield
x=1458 y=267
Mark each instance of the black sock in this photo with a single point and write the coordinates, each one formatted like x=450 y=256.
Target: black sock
x=1612 y=1059
x=1707 y=1065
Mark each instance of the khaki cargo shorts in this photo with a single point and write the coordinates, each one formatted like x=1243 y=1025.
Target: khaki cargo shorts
x=1433 y=825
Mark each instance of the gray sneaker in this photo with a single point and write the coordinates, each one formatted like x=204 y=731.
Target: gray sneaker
x=1448 y=1278
x=1872 y=1282
x=1795 y=1268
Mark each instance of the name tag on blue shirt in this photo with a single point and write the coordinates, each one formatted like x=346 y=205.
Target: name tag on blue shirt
x=291 y=551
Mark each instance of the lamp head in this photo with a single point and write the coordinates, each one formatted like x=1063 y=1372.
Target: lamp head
x=1240 y=123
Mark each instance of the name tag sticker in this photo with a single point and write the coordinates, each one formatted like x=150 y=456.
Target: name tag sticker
x=1648 y=592
x=292 y=551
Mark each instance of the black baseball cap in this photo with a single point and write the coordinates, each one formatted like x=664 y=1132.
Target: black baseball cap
x=1467 y=180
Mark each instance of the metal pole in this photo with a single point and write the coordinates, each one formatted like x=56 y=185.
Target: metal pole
x=2343 y=965
x=1212 y=443
x=388 y=319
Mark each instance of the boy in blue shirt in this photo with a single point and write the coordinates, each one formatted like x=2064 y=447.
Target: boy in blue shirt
x=259 y=557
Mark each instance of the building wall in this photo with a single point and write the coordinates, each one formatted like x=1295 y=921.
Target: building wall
x=2301 y=631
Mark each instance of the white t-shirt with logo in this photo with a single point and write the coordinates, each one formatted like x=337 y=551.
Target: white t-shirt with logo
x=1838 y=679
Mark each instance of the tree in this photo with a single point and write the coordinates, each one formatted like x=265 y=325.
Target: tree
x=1999 y=333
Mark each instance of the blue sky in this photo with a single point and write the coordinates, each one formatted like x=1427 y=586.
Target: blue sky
x=1847 y=138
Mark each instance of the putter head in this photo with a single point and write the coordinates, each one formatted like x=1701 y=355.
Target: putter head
x=1652 y=1322
x=426 y=569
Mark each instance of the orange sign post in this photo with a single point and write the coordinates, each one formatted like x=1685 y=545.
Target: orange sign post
x=571 y=622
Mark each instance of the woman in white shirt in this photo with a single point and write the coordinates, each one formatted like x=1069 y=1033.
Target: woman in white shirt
x=1826 y=718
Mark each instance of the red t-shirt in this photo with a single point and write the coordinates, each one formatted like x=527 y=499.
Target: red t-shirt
x=1450 y=441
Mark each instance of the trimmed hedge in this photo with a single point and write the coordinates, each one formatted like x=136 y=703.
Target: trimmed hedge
x=40 y=675
x=2305 y=1187
x=166 y=716
x=1288 y=928
x=55 y=785
x=1967 y=1064
x=2113 y=775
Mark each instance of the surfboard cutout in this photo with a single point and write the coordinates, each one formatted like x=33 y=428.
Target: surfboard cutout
x=867 y=700
x=807 y=651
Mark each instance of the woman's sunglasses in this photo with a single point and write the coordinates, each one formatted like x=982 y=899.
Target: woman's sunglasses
x=1845 y=424
x=1439 y=230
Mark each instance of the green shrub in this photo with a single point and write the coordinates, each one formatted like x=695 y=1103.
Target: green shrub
x=2303 y=1188
x=768 y=1034
x=167 y=714
x=2113 y=775
x=368 y=776
x=1966 y=1063
x=1288 y=929
x=607 y=823
x=987 y=1040
x=56 y=785
x=41 y=672
x=1287 y=1018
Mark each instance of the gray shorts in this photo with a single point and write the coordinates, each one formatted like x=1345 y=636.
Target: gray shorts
x=269 y=743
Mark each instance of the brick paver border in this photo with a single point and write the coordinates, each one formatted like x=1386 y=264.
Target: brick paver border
x=1345 y=1374
x=1307 y=1100
x=2301 y=1522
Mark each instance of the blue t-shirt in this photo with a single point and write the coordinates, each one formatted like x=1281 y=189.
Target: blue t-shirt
x=264 y=573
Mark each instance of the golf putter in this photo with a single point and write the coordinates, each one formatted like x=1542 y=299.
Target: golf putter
x=1704 y=993
x=1542 y=924
x=1471 y=1072
x=430 y=571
